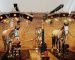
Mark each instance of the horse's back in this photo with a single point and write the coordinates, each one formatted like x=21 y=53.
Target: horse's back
x=56 y=32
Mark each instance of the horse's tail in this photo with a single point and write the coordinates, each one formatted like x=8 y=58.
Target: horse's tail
x=4 y=42
x=3 y=37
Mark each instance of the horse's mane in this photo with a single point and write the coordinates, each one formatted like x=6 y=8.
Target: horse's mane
x=11 y=34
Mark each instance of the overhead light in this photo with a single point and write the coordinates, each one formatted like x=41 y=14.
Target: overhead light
x=64 y=14
x=2 y=17
x=27 y=17
x=14 y=15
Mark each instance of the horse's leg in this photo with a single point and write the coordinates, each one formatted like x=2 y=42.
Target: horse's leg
x=4 y=42
x=53 y=42
x=10 y=47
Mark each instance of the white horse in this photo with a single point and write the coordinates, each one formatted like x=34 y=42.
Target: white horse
x=7 y=36
x=59 y=37
x=56 y=35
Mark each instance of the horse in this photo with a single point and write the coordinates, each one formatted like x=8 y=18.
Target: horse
x=56 y=35
x=58 y=38
x=8 y=37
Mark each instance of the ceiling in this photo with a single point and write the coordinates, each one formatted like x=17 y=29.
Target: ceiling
x=37 y=5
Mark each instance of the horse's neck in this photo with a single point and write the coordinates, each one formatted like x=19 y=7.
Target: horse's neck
x=7 y=32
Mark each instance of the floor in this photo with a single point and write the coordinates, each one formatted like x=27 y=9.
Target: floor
x=36 y=56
